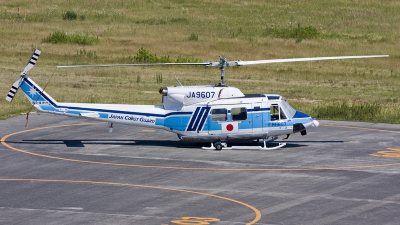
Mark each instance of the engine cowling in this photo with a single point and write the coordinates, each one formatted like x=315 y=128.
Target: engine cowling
x=177 y=97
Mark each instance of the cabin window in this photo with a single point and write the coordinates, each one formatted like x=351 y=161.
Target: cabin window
x=277 y=113
x=239 y=113
x=219 y=115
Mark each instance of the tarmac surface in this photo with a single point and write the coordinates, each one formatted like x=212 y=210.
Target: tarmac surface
x=61 y=170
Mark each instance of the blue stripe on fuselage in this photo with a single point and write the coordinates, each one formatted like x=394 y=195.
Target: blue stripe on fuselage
x=193 y=120
x=203 y=117
x=198 y=119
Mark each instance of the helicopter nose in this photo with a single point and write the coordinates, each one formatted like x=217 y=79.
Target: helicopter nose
x=305 y=119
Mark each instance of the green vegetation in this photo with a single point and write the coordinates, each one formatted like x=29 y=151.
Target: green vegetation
x=159 y=77
x=63 y=37
x=88 y=54
x=350 y=111
x=122 y=31
x=193 y=37
x=144 y=56
x=70 y=15
x=290 y=32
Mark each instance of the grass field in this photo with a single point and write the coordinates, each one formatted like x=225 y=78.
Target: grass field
x=104 y=31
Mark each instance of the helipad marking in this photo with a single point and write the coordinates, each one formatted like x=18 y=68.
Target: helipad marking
x=191 y=220
x=389 y=153
x=3 y=141
x=256 y=211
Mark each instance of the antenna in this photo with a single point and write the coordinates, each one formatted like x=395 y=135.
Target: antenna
x=178 y=81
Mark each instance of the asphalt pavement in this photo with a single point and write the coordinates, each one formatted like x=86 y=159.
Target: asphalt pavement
x=61 y=170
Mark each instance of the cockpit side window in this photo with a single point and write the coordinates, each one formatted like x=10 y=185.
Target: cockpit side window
x=274 y=112
x=219 y=115
x=277 y=113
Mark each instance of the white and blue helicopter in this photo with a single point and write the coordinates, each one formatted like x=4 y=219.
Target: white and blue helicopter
x=216 y=114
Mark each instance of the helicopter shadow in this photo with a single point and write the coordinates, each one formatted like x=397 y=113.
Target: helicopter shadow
x=81 y=143
x=289 y=144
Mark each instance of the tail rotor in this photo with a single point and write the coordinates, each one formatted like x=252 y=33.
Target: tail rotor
x=31 y=63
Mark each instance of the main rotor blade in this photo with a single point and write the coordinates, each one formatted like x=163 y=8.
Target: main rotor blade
x=224 y=63
x=135 y=64
x=245 y=63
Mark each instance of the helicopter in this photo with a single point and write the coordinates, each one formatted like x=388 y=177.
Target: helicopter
x=216 y=114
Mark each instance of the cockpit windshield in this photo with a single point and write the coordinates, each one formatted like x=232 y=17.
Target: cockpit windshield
x=288 y=109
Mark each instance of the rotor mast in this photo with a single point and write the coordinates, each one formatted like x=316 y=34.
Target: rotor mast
x=222 y=63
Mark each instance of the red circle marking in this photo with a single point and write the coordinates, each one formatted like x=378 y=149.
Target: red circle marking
x=229 y=127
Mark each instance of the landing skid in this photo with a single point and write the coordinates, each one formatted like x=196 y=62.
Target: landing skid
x=223 y=146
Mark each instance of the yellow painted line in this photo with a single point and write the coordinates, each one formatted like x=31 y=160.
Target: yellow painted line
x=3 y=141
x=362 y=128
x=148 y=131
x=256 y=211
x=389 y=153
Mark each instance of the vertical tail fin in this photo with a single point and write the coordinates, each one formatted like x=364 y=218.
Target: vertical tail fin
x=36 y=95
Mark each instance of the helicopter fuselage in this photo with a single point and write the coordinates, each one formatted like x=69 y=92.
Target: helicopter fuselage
x=194 y=113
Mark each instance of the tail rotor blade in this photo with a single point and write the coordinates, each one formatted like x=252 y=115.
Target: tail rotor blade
x=32 y=61
x=13 y=91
